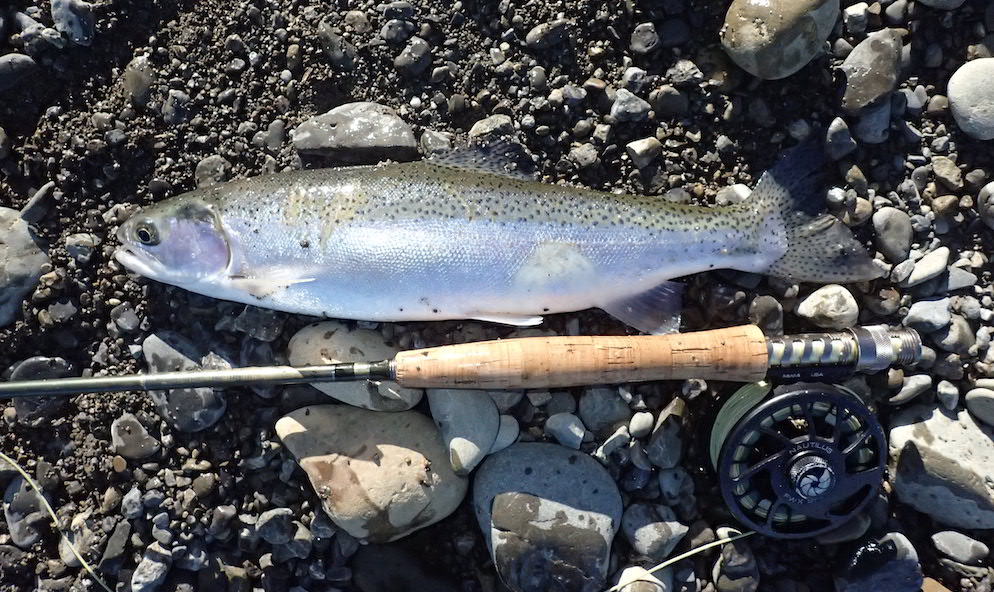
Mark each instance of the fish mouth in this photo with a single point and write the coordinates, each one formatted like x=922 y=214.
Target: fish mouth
x=127 y=257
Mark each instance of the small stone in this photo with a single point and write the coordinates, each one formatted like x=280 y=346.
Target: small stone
x=985 y=204
x=774 y=39
x=75 y=19
x=641 y=424
x=643 y=152
x=212 y=170
x=927 y=316
x=970 y=96
x=22 y=510
x=980 y=402
x=838 y=140
x=830 y=307
x=187 y=409
x=357 y=132
x=928 y=267
x=275 y=526
x=497 y=125
x=893 y=233
x=629 y=107
x=138 y=78
x=469 y=423
x=959 y=547
x=957 y=337
x=911 y=388
x=175 y=109
x=638 y=579
x=652 y=530
x=873 y=126
x=131 y=504
x=665 y=448
x=130 y=439
x=397 y=30
x=21 y=262
x=602 y=409
x=415 y=58
x=380 y=476
x=872 y=70
x=948 y=394
x=340 y=52
x=947 y=172
x=585 y=156
x=546 y=35
x=330 y=342
x=669 y=101
x=507 y=434
x=37 y=411
x=15 y=67
x=644 y=39
x=152 y=569
x=566 y=428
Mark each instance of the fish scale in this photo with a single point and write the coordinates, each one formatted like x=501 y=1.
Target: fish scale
x=457 y=238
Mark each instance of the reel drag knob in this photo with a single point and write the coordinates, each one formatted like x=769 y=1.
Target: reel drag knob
x=799 y=463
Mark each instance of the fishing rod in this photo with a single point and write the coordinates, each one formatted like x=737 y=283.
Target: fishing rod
x=737 y=354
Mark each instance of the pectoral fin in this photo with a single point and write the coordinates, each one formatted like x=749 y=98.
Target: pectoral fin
x=656 y=311
x=263 y=286
x=517 y=321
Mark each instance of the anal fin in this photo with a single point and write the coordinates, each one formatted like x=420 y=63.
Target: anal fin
x=655 y=311
x=515 y=320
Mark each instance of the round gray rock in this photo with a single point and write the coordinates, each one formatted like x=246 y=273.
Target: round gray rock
x=357 y=132
x=959 y=547
x=893 y=233
x=469 y=423
x=971 y=99
x=830 y=307
x=548 y=515
x=772 y=39
x=980 y=402
x=21 y=262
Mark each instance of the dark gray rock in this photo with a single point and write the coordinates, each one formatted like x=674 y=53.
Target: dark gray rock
x=736 y=569
x=15 y=67
x=22 y=510
x=629 y=107
x=175 y=109
x=75 y=19
x=212 y=170
x=357 y=132
x=546 y=35
x=872 y=70
x=838 y=140
x=644 y=39
x=37 y=411
x=890 y=563
x=130 y=439
x=397 y=30
x=275 y=526
x=665 y=448
x=389 y=568
x=548 y=515
x=415 y=57
x=928 y=315
x=152 y=569
x=603 y=410
x=893 y=233
x=341 y=53
x=138 y=78
x=22 y=259
x=187 y=409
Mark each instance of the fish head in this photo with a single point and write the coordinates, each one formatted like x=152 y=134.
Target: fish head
x=180 y=242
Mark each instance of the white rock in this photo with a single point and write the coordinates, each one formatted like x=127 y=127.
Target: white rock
x=971 y=98
x=830 y=307
x=329 y=342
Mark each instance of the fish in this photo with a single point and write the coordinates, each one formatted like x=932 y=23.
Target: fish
x=472 y=235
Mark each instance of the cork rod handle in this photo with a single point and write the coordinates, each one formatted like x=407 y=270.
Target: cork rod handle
x=734 y=354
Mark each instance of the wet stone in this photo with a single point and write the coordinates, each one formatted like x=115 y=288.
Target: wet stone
x=38 y=411
x=74 y=19
x=357 y=132
x=21 y=260
x=130 y=439
x=187 y=409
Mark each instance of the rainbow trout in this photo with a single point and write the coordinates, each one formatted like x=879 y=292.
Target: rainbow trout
x=464 y=237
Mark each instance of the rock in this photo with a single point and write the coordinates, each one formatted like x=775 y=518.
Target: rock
x=638 y=579
x=212 y=170
x=37 y=411
x=930 y=266
x=390 y=568
x=873 y=126
x=74 y=19
x=942 y=464
x=774 y=39
x=943 y=4
x=341 y=53
x=4 y=153
x=838 y=140
x=644 y=39
x=138 y=78
x=566 y=428
x=397 y=30
x=830 y=307
x=912 y=386
x=152 y=569
x=665 y=448
x=130 y=439
x=957 y=337
x=15 y=67
x=652 y=529
x=548 y=515
x=893 y=233
x=497 y=125
x=736 y=569
x=415 y=58
x=959 y=547
x=21 y=261
x=380 y=476
x=640 y=425
x=187 y=409
x=643 y=152
x=970 y=97
x=927 y=316
x=329 y=342
x=602 y=409
x=546 y=35
x=175 y=109
x=131 y=504
x=872 y=70
x=980 y=402
x=81 y=246
x=668 y=101
x=357 y=132
x=947 y=172
x=275 y=526
x=507 y=433
x=629 y=107
x=890 y=563
x=23 y=513
x=469 y=423
x=985 y=204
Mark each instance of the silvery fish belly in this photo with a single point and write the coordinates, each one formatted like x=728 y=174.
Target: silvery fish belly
x=462 y=237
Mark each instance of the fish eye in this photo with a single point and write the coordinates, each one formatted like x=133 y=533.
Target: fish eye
x=146 y=234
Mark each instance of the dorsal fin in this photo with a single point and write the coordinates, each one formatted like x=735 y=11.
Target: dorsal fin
x=499 y=157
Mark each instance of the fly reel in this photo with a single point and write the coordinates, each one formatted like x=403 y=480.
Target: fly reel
x=799 y=463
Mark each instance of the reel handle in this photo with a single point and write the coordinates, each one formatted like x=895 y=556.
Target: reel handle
x=735 y=354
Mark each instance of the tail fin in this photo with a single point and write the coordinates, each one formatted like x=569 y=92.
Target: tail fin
x=820 y=248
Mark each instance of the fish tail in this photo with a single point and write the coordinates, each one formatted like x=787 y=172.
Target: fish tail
x=813 y=246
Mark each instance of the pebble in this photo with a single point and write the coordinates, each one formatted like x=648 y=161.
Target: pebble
x=948 y=394
x=212 y=170
x=890 y=563
x=644 y=39
x=872 y=70
x=985 y=204
x=930 y=266
x=498 y=125
x=669 y=101
x=22 y=259
x=152 y=569
x=767 y=312
x=773 y=39
x=893 y=233
x=959 y=547
x=380 y=476
x=980 y=402
x=629 y=107
x=275 y=526
x=187 y=409
x=38 y=411
x=830 y=307
x=970 y=98
x=549 y=515
x=927 y=316
x=469 y=422
x=957 y=337
x=641 y=424
x=340 y=52
x=130 y=439
x=75 y=19
x=947 y=172
x=546 y=35
x=736 y=569
x=330 y=342
x=81 y=246
x=602 y=409
x=873 y=126
x=638 y=579
x=360 y=132
x=23 y=513
x=665 y=448
x=838 y=139
x=643 y=152
x=397 y=30
x=175 y=108
x=138 y=78
x=415 y=58
x=943 y=465
x=131 y=504
x=15 y=67
x=507 y=433
x=566 y=428
x=652 y=529
x=911 y=387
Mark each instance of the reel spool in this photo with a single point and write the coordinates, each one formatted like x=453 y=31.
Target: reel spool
x=800 y=463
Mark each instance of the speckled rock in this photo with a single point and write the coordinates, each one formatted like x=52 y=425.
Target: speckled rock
x=774 y=39
x=21 y=262
x=548 y=515
x=380 y=476
x=357 y=132
x=329 y=342
x=971 y=99
x=942 y=464
x=130 y=439
x=469 y=423
x=872 y=70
